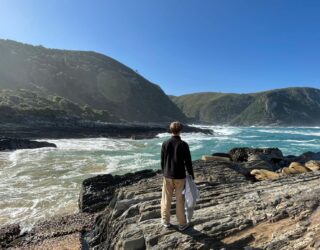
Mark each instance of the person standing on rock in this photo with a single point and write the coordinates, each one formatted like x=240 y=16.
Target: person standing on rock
x=175 y=160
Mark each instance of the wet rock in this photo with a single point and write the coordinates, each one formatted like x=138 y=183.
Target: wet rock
x=13 y=144
x=66 y=232
x=8 y=234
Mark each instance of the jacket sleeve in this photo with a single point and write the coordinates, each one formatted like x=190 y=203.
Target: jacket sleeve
x=162 y=158
x=188 y=161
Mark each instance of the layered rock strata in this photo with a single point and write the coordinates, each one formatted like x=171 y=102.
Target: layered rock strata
x=232 y=213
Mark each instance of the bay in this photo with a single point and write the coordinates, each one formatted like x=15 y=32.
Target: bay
x=36 y=184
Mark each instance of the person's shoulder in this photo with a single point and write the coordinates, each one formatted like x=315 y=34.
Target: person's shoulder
x=184 y=143
x=166 y=142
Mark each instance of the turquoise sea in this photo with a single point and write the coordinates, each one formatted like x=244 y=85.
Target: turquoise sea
x=40 y=183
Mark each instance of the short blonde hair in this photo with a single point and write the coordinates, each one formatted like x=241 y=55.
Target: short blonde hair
x=176 y=127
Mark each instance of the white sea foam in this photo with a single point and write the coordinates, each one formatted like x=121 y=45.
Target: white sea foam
x=38 y=183
x=163 y=135
x=92 y=144
x=220 y=130
x=292 y=132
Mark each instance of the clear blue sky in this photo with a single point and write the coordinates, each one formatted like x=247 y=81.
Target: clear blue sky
x=183 y=45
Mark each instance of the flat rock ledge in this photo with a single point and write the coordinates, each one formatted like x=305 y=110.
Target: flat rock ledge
x=232 y=213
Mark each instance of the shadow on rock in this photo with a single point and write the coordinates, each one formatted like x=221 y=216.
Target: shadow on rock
x=213 y=243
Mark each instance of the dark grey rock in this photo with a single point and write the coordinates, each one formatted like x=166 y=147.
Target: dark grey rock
x=13 y=144
x=242 y=154
x=8 y=234
x=308 y=156
x=97 y=192
x=90 y=129
x=222 y=155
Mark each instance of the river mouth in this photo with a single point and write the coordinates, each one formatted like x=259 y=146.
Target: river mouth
x=36 y=184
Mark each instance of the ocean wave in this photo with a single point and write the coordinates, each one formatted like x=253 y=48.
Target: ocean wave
x=93 y=144
x=39 y=183
x=220 y=130
x=292 y=132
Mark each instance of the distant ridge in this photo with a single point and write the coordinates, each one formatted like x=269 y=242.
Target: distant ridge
x=288 y=106
x=89 y=80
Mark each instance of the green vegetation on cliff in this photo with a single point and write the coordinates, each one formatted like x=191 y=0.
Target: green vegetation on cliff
x=83 y=78
x=26 y=106
x=290 y=106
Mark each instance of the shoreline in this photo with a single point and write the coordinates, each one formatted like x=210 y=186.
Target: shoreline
x=104 y=195
x=112 y=130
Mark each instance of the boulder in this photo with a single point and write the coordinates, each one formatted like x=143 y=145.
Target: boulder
x=313 y=165
x=297 y=167
x=286 y=161
x=262 y=174
x=242 y=154
x=288 y=171
x=308 y=156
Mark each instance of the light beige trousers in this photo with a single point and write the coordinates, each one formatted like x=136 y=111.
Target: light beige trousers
x=170 y=185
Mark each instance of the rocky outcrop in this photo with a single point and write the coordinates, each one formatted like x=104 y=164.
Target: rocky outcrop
x=294 y=168
x=13 y=144
x=244 y=154
x=97 y=192
x=89 y=129
x=232 y=213
x=269 y=159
